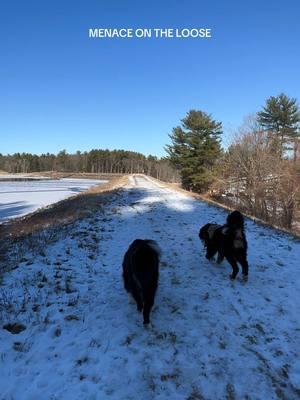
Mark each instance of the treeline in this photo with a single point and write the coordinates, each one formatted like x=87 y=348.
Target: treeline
x=95 y=161
x=259 y=173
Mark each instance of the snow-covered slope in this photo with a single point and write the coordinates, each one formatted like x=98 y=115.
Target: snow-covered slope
x=210 y=338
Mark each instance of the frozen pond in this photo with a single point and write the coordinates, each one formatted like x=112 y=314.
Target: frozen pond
x=20 y=198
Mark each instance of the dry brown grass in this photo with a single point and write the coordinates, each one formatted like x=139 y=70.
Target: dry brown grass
x=63 y=212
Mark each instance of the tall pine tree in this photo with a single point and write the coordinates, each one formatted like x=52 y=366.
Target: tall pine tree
x=281 y=117
x=195 y=149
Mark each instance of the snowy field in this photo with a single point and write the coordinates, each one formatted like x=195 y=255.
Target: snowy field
x=210 y=338
x=20 y=198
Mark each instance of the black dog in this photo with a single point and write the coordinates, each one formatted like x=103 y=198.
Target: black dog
x=228 y=241
x=140 y=273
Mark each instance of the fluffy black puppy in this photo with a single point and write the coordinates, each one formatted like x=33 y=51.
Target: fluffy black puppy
x=228 y=241
x=140 y=273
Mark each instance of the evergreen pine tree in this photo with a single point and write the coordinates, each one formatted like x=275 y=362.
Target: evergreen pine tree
x=195 y=149
x=281 y=117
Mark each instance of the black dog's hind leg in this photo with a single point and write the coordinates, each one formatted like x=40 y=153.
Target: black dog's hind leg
x=148 y=304
x=242 y=259
x=137 y=297
x=235 y=268
x=220 y=256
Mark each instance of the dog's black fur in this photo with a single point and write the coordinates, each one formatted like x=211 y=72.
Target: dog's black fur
x=140 y=274
x=228 y=241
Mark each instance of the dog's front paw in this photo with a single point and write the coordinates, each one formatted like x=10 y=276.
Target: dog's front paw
x=232 y=277
x=245 y=278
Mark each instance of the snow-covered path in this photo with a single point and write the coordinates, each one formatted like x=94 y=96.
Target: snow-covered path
x=210 y=338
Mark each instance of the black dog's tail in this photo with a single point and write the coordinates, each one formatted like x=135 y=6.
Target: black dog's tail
x=235 y=220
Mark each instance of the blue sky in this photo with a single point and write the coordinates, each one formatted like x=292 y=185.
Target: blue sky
x=61 y=90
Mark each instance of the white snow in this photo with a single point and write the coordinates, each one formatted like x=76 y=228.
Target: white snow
x=20 y=198
x=210 y=338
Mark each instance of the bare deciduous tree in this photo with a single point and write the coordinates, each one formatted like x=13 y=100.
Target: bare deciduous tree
x=258 y=181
